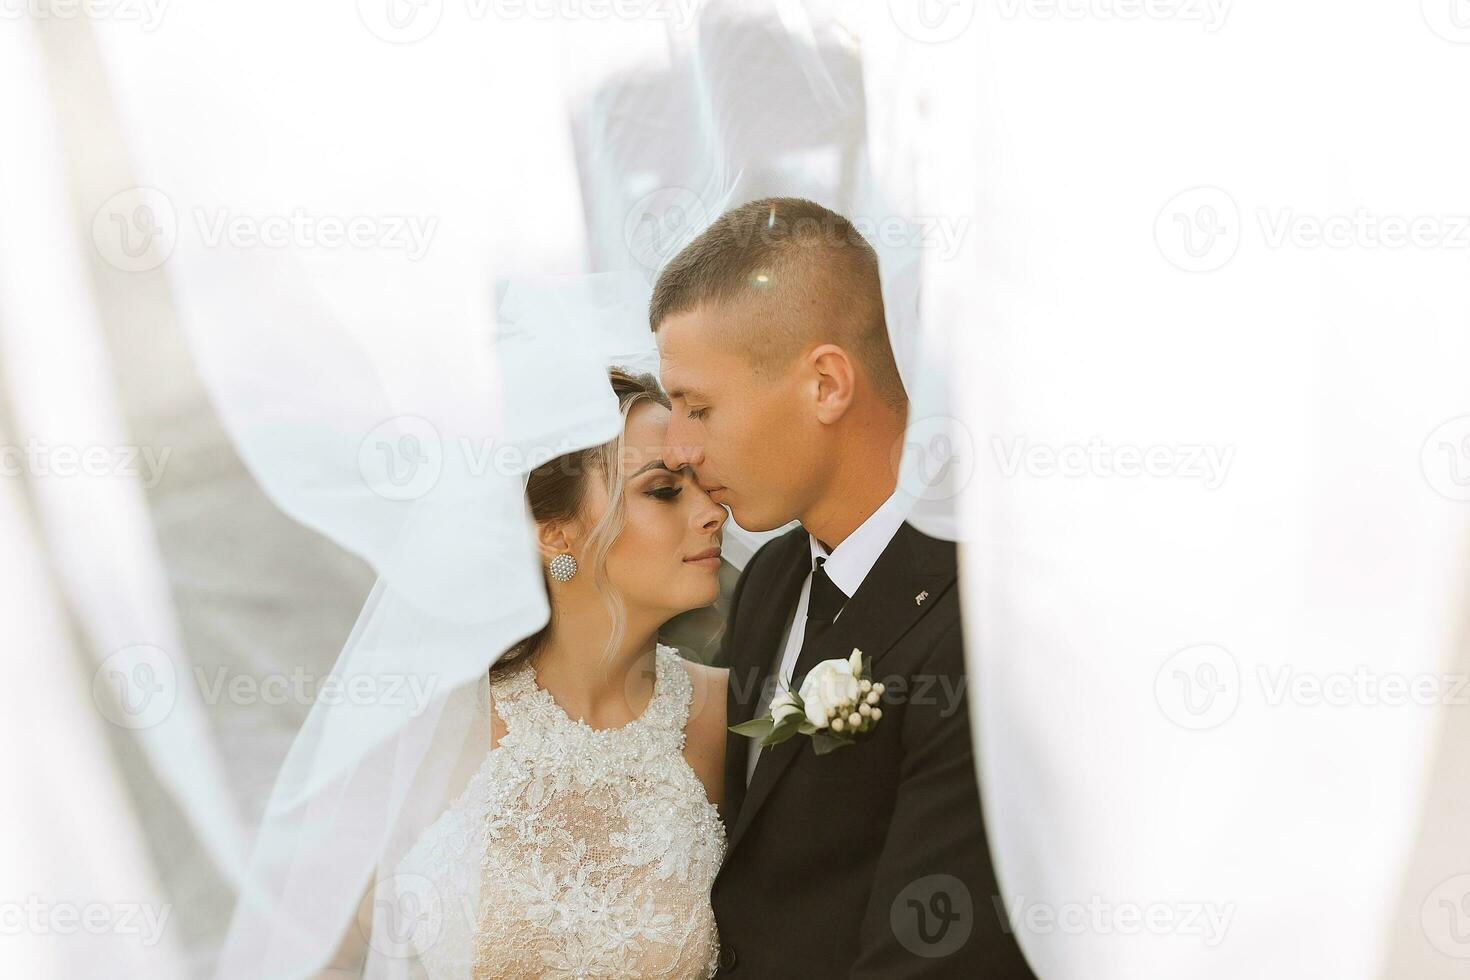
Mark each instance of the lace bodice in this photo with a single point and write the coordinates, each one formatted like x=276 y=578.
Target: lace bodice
x=583 y=852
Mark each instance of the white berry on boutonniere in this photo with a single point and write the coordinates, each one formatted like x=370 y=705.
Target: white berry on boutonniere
x=838 y=701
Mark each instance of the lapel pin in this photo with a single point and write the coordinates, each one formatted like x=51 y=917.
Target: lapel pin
x=919 y=599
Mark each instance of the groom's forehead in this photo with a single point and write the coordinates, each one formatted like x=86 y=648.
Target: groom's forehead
x=693 y=356
x=679 y=361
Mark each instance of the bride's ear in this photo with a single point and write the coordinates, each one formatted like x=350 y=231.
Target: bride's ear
x=555 y=539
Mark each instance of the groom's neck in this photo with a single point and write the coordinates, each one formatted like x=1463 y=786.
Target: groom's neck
x=865 y=476
x=834 y=525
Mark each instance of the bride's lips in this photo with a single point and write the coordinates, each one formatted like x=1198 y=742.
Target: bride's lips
x=708 y=558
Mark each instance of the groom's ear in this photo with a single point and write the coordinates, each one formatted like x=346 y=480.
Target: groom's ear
x=835 y=377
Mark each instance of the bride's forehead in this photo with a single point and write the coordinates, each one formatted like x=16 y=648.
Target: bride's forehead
x=643 y=436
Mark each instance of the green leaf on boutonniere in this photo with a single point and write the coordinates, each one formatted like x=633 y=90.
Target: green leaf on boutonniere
x=755 y=728
x=783 y=731
x=823 y=741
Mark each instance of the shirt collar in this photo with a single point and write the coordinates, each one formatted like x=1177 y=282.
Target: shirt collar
x=849 y=563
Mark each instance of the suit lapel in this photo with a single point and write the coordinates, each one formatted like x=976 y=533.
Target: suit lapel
x=884 y=608
x=752 y=663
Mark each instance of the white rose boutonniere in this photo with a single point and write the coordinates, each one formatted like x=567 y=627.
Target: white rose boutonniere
x=838 y=701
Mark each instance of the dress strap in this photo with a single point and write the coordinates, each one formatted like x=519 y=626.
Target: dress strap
x=669 y=709
x=511 y=689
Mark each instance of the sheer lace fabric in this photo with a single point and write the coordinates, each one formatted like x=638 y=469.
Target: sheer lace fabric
x=574 y=851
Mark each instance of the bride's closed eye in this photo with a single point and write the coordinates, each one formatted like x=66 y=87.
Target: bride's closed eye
x=665 y=493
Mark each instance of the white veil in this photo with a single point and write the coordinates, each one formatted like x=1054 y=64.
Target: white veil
x=433 y=496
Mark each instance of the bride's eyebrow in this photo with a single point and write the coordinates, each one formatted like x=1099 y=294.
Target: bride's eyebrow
x=655 y=464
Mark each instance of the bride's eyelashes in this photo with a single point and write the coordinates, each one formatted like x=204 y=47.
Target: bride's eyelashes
x=666 y=493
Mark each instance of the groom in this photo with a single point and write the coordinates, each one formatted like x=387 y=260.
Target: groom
x=870 y=860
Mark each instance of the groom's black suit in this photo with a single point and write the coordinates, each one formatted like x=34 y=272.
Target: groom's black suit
x=870 y=861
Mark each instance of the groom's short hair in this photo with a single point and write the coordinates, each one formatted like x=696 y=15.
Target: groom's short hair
x=808 y=276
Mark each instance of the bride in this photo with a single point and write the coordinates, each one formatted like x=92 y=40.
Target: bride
x=586 y=842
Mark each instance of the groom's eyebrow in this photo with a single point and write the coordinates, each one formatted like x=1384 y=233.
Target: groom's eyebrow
x=682 y=393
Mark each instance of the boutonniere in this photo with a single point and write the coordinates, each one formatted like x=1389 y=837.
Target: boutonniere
x=837 y=702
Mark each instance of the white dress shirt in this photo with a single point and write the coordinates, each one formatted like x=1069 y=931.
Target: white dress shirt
x=846 y=565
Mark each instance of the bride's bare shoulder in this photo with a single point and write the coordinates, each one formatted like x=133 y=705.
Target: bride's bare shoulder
x=704 y=733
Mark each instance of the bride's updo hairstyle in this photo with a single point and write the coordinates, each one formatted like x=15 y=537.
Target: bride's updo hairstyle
x=557 y=491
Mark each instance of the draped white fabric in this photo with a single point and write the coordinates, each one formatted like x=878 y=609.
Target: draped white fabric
x=1211 y=680
x=1208 y=471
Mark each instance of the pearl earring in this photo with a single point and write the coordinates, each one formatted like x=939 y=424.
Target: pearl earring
x=563 y=567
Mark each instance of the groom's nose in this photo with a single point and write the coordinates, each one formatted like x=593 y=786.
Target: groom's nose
x=677 y=454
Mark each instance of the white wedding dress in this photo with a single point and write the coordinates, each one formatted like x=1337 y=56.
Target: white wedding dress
x=574 y=851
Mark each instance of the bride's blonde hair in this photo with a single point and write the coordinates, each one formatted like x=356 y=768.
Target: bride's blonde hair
x=557 y=492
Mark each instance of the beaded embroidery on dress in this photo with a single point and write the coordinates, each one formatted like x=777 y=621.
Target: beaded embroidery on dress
x=574 y=851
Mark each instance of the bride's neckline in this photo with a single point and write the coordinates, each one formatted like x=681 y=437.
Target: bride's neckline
x=545 y=698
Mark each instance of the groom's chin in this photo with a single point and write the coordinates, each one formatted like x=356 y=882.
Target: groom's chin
x=754 y=522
